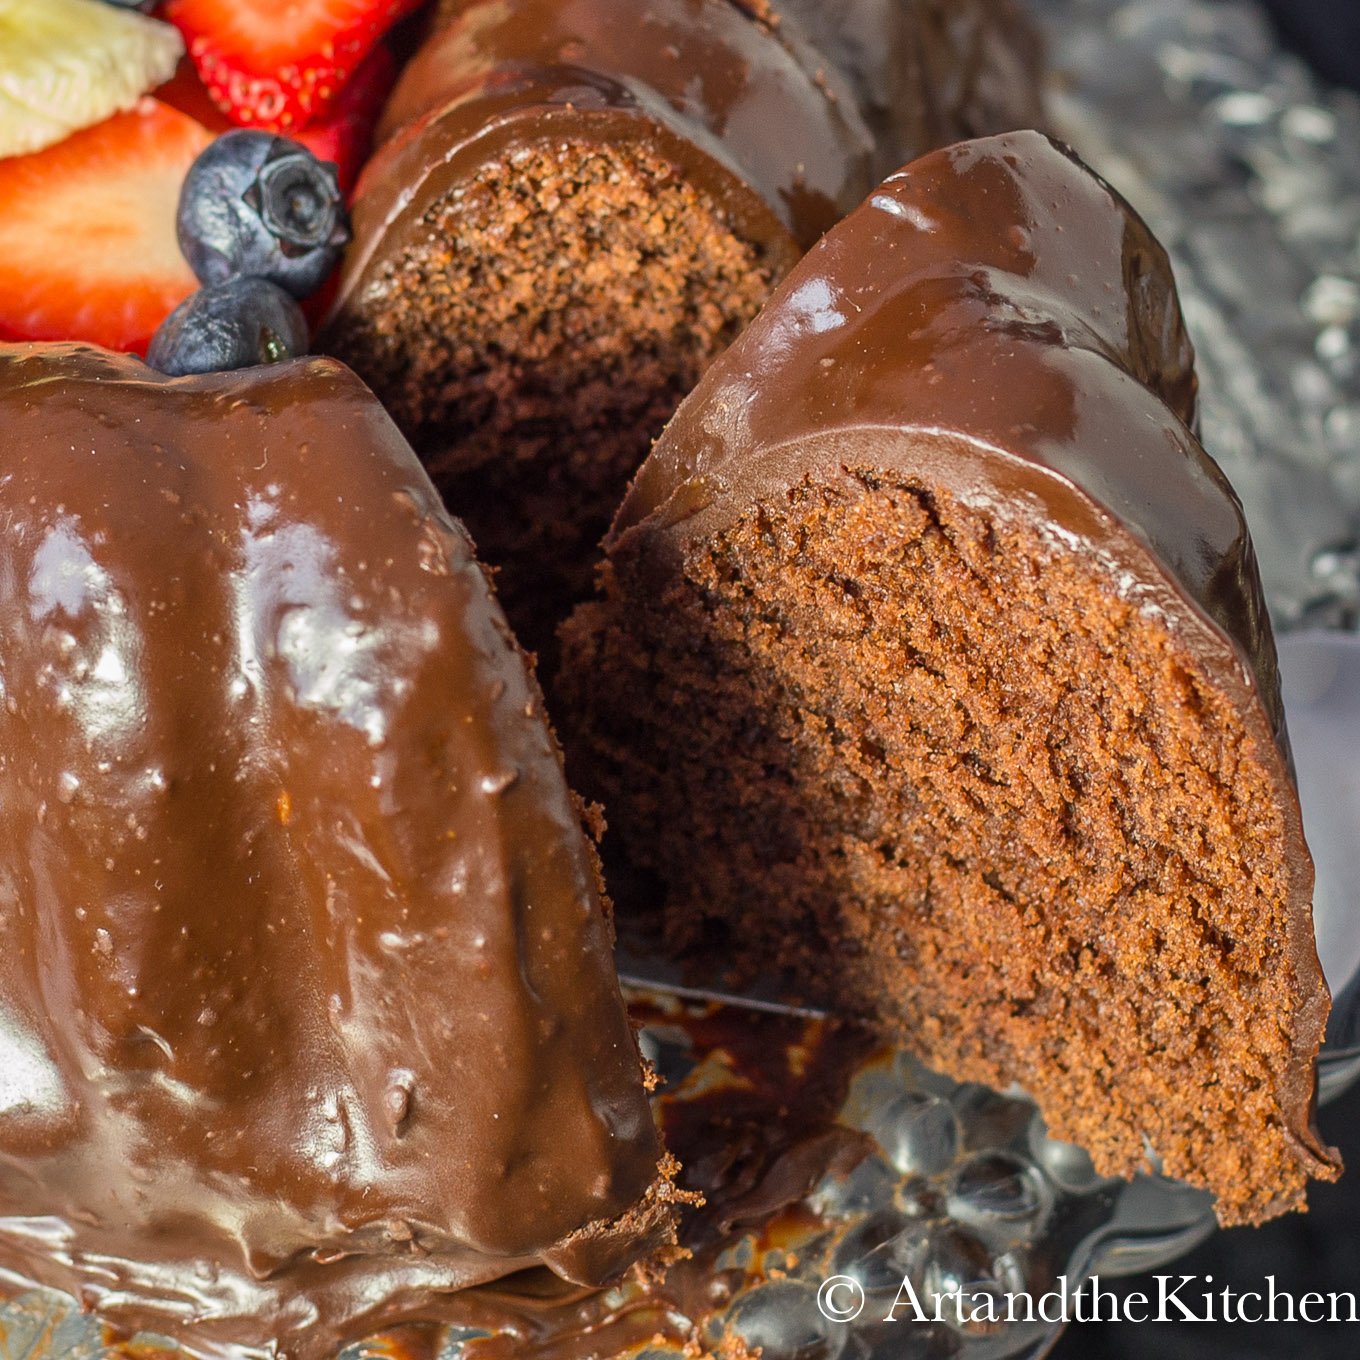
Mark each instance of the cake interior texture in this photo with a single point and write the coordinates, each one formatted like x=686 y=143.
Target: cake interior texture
x=533 y=342
x=933 y=762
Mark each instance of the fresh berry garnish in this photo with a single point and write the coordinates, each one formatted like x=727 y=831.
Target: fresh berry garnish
x=87 y=230
x=342 y=135
x=254 y=203
x=276 y=64
x=68 y=64
x=187 y=93
x=237 y=324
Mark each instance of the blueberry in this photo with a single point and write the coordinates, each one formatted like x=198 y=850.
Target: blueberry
x=229 y=325
x=254 y=203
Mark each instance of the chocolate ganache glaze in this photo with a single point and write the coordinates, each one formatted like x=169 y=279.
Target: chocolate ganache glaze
x=993 y=337
x=752 y=114
x=786 y=112
x=308 y=1014
x=997 y=293
x=930 y=72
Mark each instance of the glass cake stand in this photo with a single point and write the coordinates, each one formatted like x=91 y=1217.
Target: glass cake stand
x=1249 y=170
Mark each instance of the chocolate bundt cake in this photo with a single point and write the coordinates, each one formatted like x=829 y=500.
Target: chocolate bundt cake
x=308 y=1013
x=576 y=206
x=931 y=664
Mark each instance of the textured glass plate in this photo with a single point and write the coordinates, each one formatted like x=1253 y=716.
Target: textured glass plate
x=1249 y=171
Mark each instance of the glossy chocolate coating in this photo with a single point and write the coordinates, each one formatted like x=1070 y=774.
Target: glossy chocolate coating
x=784 y=113
x=308 y=1010
x=930 y=72
x=752 y=115
x=997 y=320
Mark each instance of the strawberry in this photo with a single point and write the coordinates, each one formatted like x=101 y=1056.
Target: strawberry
x=87 y=230
x=277 y=64
x=343 y=134
x=187 y=93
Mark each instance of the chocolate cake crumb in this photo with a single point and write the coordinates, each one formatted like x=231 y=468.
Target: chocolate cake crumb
x=536 y=340
x=965 y=787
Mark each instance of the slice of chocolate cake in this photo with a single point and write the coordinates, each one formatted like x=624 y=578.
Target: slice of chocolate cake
x=932 y=665
x=575 y=208
x=308 y=1013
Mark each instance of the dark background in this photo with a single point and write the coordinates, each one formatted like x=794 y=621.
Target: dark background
x=1327 y=32
x=1319 y=1251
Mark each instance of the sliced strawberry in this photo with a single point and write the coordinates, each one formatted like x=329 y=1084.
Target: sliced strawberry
x=187 y=93
x=343 y=134
x=87 y=230
x=276 y=64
